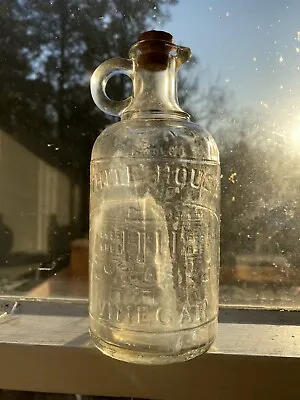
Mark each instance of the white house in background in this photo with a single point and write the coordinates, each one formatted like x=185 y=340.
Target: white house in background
x=31 y=190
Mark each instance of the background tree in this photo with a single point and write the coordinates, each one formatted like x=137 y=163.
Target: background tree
x=16 y=101
x=50 y=49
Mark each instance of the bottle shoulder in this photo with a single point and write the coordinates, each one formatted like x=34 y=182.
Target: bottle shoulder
x=156 y=138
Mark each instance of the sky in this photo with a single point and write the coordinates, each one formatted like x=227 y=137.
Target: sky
x=250 y=44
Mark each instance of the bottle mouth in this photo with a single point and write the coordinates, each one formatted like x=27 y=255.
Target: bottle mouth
x=154 y=49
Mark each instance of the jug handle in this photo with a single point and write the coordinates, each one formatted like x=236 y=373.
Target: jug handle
x=99 y=80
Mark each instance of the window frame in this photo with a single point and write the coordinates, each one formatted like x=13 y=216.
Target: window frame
x=46 y=347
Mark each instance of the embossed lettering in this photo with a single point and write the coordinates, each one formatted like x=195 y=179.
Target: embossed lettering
x=164 y=316
x=175 y=177
x=150 y=314
x=196 y=178
x=181 y=175
x=143 y=314
x=109 y=268
x=163 y=173
x=185 y=315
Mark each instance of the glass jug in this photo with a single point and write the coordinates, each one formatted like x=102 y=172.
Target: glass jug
x=154 y=215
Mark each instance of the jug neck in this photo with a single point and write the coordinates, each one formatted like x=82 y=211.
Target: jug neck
x=155 y=92
x=156 y=60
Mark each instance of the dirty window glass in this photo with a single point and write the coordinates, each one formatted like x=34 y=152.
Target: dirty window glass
x=242 y=85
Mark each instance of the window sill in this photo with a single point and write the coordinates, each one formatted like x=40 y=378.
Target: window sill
x=45 y=346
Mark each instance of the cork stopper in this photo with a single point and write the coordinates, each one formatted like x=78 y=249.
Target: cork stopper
x=154 y=48
x=156 y=35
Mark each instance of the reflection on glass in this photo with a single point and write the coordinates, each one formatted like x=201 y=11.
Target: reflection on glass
x=242 y=85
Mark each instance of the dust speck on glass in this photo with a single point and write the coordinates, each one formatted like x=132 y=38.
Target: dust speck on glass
x=242 y=85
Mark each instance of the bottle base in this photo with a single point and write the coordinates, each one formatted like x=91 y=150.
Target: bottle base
x=158 y=356
x=132 y=356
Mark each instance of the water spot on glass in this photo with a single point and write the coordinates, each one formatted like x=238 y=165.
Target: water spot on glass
x=232 y=177
x=254 y=59
x=281 y=59
x=210 y=8
x=264 y=104
x=227 y=14
x=154 y=8
x=298 y=40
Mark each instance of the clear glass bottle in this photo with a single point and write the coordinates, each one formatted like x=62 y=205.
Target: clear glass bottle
x=154 y=215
